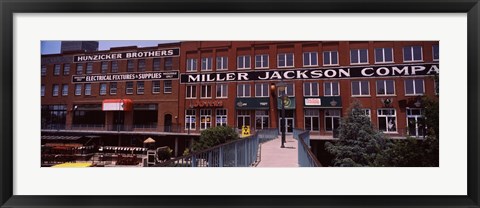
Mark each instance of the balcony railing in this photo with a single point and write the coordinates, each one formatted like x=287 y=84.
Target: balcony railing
x=117 y=128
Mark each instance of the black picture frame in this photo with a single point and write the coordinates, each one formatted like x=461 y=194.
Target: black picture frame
x=10 y=7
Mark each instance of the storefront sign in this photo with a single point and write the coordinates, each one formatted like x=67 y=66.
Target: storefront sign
x=323 y=102
x=252 y=103
x=313 y=101
x=167 y=75
x=201 y=104
x=319 y=73
x=288 y=102
x=117 y=105
x=127 y=55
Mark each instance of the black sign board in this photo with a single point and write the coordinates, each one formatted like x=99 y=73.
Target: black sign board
x=316 y=73
x=140 y=76
x=127 y=55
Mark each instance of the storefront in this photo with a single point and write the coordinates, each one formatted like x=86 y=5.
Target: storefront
x=248 y=108
x=289 y=107
x=330 y=107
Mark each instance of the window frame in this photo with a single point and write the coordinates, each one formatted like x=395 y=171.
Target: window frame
x=413 y=55
x=100 y=90
x=285 y=55
x=55 y=90
x=383 y=56
x=221 y=116
x=331 y=88
x=360 y=88
x=191 y=67
x=63 y=89
x=66 y=66
x=78 y=89
x=193 y=91
x=129 y=90
x=414 y=87
x=205 y=62
x=330 y=58
x=311 y=89
x=220 y=60
x=262 y=61
x=165 y=87
x=385 y=86
x=379 y=115
x=358 y=56
x=244 y=90
x=433 y=52
x=310 y=58
x=244 y=62
x=263 y=85
x=140 y=87
x=88 y=89
x=222 y=90
x=113 y=88
x=56 y=69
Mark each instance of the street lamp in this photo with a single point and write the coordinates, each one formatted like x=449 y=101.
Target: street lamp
x=282 y=87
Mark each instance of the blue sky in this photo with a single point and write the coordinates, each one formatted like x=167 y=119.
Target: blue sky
x=52 y=47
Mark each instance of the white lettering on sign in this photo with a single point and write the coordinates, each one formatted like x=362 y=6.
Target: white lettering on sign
x=313 y=101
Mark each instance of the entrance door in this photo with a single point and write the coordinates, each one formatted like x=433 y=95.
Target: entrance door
x=118 y=120
x=289 y=124
x=168 y=123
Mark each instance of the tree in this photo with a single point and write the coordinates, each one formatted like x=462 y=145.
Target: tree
x=214 y=136
x=359 y=143
x=164 y=153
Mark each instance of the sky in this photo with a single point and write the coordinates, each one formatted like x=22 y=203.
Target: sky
x=53 y=47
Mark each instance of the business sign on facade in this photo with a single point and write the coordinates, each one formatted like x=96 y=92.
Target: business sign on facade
x=159 y=53
x=141 y=76
x=252 y=103
x=313 y=102
x=287 y=102
x=323 y=102
x=318 y=73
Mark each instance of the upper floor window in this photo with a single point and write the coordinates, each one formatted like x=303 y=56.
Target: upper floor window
x=385 y=87
x=89 y=68
x=261 y=89
x=289 y=90
x=206 y=64
x=261 y=61
x=44 y=70
x=42 y=90
x=79 y=69
x=330 y=58
x=191 y=65
x=65 y=90
x=222 y=91
x=103 y=88
x=56 y=69
x=88 y=89
x=156 y=64
x=243 y=62
x=104 y=67
x=414 y=87
x=310 y=59
x=206 y=91
x=167 y=86
x=141 y=65
x=191 y=91
x=285 y=60
x=310 y=89
x=243 y=90
x=412 y=53
x=55 y=90
x=66 y=69
x=140 y=87
x=129 y=88
x=383 y=55
x=360 y=88
x=387 y=120
x=114 y=66
x=156 y=86
x=435 y=53
x=168 y=63
x=78 y=89
x=359 y=56
x=113 y=88
x=331 y=89
x=222 y=63
x=130 y=66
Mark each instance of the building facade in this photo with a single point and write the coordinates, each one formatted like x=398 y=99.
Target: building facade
x=86 y=46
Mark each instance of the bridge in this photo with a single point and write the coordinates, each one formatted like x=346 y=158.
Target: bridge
x=260 y=150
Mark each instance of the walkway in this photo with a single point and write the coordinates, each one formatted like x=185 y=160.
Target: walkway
x=271 y=155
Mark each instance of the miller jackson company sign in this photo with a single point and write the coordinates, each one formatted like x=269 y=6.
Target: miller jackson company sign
x=317 y=73
x=128 y=55
x=140 y=76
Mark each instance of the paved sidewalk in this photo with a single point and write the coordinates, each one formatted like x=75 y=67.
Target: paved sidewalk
x=274 y=156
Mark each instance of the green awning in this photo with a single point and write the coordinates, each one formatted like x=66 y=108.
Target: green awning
x=252 y=103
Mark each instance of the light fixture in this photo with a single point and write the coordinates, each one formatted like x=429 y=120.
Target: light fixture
x=333 y=103
x=418 y=103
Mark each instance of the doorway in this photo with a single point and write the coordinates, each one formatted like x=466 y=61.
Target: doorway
x=168 y=123
x=118 y=120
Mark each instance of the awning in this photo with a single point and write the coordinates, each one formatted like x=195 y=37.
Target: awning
x=149 y=140
x=252 y=103
x=117 y=105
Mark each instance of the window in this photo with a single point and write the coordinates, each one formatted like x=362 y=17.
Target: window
x=331 y=89
x=113 y=88
x=367 y=113
x=103 y=88
x=261 y=89
x=78 y=89
x=140 y=87
x=243 y=90
x=114 y=66
x=415 y=122
x=310 y=89
x=167 y=86
x=221 y=119
x=330 y=58
x=312 y=118
x=42 y=90
x=89 y=68
x=243 y=62
x=155 y=87
x=66 y=69
x=435 y=53
x=332 y=119
x=436 y=85
x=130 y=66
x=243 y=118
x=414 y=87
x=168 y=63
x=261 y=119
x=191 y=65
x=385 y=87
x=141 y=65
x=360 y=88
x=44 y=70
x=261 y=61
x=129 y=88
x=205 y=118
x=65 y=90
x=383 y=55
x=206 y=64
x=387 y=120
x=285 y=60
x=310 y=59
x=56 y=69
x=358 y=56
x=104 y=67
x=289 y=90
x=191 y=91
x=55 y=90
x=88 y=89
x=79 y=69
x=190 y=119
x=222 y=63
x=222 y=91
x=412 y=53
x=156 y=64
x=206 y=91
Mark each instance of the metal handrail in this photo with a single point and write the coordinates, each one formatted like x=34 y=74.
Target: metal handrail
x=306 y=158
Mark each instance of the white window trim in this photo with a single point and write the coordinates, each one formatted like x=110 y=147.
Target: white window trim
x=351 y=89
x=205 y=120
x=310 y=116
x=385 y=86
x=126 y=89
x=358 y=56
x=369 y=114
x=89 y=90
x=261 y=90
x=193 y=65
x=433 y=52
x=164 y=87
x=42 y=90
x=414 y=89
x=221 y=116
x=224 y=67
x=244 y=61
x=310 y=64
x=310 y=83
x=331 y=89
x=386 y=116
x=325 y=121
x=411 y=48
x=206 y=64
x=243 y=90
x=262 y=67
x=293 y=86
x=330 y=58
x=383 y=51
x=53 y=90
x=286 y=66
x=100 y=89
x=221 y=90
x=110 y=90
x=66 y=94
x=206 y=91
x=138 y=88
x=186 y=91
x=159 y=87
x=80 y=90
x=191 y=116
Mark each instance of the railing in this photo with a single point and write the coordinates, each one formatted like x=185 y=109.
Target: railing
x=136 y=127
x=265 y=135
x=305 y=156
x=238 y=153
